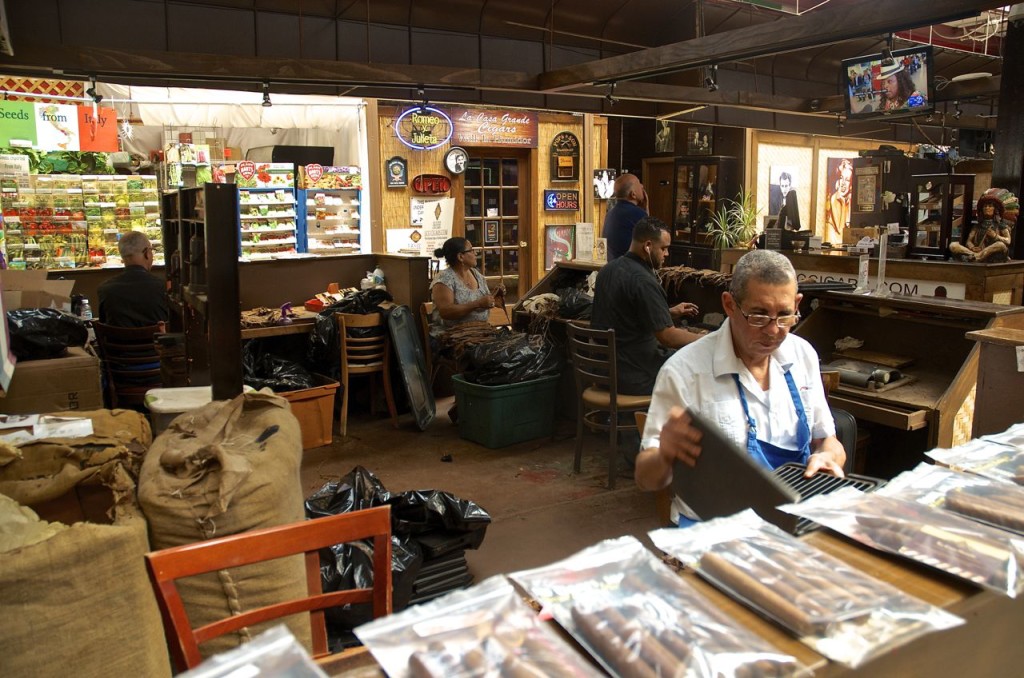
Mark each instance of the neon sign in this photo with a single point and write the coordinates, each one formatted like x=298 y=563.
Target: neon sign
x=424 y=128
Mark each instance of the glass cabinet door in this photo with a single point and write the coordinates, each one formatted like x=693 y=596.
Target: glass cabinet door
x=707 y=198
x=683 y=219
x=930 y=208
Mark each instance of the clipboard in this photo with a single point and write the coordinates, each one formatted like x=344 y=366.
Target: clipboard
x=726 y=480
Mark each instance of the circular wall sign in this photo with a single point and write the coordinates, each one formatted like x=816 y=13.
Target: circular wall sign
x=455 y=160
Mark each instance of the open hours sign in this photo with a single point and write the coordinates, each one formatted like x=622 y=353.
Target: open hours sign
x=562 y=201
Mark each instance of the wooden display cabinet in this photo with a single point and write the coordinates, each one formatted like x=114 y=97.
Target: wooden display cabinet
x=940 y=213
x=937 y=401
x=700 y=188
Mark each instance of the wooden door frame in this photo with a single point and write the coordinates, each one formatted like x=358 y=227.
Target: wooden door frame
x=526 y=158
x=645 y=166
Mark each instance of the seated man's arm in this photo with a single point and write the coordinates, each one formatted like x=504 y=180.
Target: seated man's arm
x=828 y=456
x=675 y=337
x=678 y=440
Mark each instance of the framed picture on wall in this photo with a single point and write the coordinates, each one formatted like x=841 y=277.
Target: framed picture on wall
x=490 y=232
x=559 y=243
x=699 y=141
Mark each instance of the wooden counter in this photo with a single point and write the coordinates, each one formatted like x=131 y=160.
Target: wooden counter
x=986 y=645
x=996 y=283
x=276 y=281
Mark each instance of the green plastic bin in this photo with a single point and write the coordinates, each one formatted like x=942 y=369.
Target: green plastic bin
x=496 y=416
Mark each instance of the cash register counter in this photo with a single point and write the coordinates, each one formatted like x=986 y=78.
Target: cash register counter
x=996 y=283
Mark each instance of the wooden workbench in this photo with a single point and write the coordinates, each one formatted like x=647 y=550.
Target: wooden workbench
x=939 y=403
x=987 y=644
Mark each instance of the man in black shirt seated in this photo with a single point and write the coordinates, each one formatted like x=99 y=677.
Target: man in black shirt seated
x=135 y=298
x=630 y=300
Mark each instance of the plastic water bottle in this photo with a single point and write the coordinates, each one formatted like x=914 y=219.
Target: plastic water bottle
x=378 y=277
x=85 y=312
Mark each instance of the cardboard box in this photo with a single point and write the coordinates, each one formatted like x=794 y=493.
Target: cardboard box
x=31 y=289
x=71 y=382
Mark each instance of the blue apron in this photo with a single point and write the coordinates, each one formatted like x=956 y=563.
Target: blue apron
x=770 y=456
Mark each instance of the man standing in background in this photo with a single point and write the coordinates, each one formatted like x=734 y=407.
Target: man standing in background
x=630 y=207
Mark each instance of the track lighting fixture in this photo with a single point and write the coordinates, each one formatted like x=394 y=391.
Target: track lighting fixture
x=887 y=58
x=611 y=94
x=839 y=123
x=956 y=110
x=91 y=91
x=421 y=94
x=266 y=95
x=711 y=80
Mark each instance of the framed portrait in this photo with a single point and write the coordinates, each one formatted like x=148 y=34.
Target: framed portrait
x=490 y=232
x=699 y=141
x=604 y=183
x=664 y=137
x=558 y=244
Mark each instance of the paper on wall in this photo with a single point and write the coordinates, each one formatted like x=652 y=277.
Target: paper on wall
x=584 y=242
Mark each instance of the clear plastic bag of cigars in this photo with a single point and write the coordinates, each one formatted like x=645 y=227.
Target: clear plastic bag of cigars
x=993 y=502
x=639 y=618
x=481 y=632
x=999 y=455
x=980 y=554
x=838 y=611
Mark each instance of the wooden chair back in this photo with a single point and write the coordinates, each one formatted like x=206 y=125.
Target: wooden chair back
x=306 y=537
x=131 y=363
x=593 y=357
x=362 y=355
x=365 y=355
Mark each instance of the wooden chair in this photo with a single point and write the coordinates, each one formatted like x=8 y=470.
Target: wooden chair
x=593 y=359
x=306 y=537
x=365 y=355
x=131 y=363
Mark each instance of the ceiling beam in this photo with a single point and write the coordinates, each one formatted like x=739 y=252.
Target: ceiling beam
x=193 y=69
x=835 y=22
x=102 y=62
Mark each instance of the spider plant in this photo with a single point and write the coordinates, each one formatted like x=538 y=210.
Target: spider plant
x=735 y=224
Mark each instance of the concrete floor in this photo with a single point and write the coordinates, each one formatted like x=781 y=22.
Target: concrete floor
x=541 y=511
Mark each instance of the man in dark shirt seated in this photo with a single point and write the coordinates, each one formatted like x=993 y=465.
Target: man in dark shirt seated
x=135 y=298
x=630 y=300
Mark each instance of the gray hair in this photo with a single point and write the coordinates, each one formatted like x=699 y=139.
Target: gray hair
x=132 y=243
x=766 y=266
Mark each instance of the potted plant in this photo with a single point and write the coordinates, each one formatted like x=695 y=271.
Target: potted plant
x=734 y=225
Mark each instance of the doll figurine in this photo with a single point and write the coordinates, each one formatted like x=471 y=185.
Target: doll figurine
x=989 y=239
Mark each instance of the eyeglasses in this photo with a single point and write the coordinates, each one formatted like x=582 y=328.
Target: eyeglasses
x=783 y=321
x=469 y=251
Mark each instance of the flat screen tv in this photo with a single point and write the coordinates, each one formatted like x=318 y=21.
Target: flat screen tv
x=901 y=86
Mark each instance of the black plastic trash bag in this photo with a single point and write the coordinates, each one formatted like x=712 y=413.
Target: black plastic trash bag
x=574 y=303
x=39 y=333
x=264 y=370
x=513 y=359
x=421 y=520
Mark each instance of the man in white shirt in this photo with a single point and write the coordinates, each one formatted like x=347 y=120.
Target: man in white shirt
x=757 y=382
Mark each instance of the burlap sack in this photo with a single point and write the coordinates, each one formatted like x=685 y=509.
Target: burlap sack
x=222 y=469
x=80 y=602
x=68 y=479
